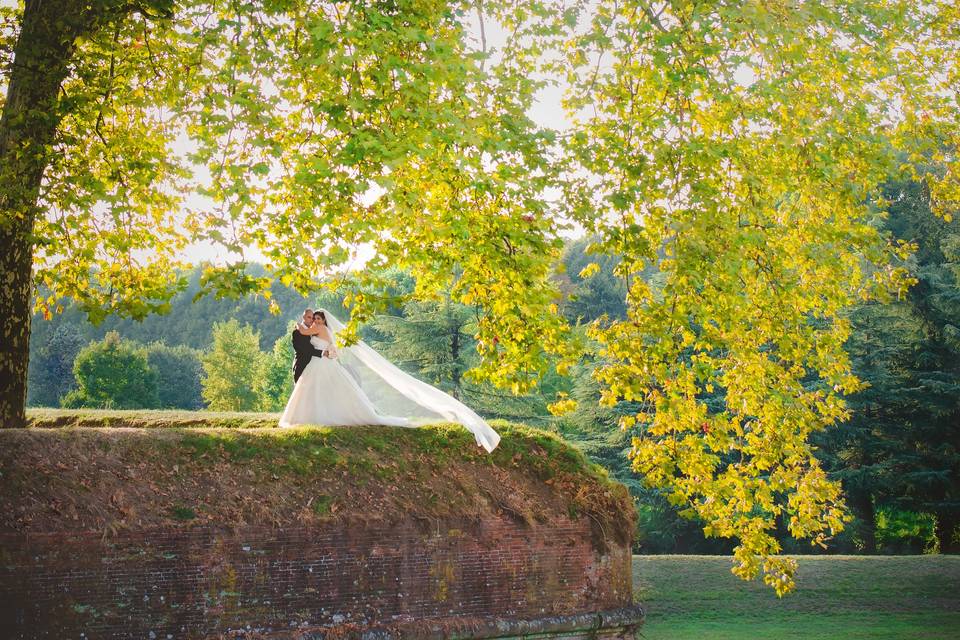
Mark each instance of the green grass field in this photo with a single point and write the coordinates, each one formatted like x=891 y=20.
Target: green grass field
x=900 y=597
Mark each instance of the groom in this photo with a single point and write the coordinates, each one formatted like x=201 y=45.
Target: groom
x=302 y=348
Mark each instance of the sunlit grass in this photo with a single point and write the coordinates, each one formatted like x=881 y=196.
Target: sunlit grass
x=901 y=597
x=150 y=418
x=250 y=435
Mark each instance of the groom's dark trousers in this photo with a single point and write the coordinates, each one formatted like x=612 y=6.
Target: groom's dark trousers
x=303 y=351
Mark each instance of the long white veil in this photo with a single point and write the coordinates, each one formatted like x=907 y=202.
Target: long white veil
x=395 y=392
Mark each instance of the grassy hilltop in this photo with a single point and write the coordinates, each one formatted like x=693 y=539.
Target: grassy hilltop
x=113 y=470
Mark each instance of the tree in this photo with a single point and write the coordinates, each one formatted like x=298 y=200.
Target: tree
x=900 y=448
x=925 y=449
x=278 y=376
x=233 y=368
x=593 y=428
x=190 y=319
x=591 y=294
x=113 y=374
x=178 y=372
x=51 y=370
x=434 y=341
x=858 y=452
x=297 y=112
x=737 y=149
x=431 y=340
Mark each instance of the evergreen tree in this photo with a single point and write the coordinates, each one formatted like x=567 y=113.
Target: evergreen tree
x=233 y=368
x=113 y=374
x=590 y=296
x=927 y=462
x=434 y=341
x=861 y=451
x=51 y=367
x=431 y=340
x=901 y=446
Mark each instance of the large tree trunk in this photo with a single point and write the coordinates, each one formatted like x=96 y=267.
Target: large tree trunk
x=947 y=522
x=29 y=121
x=455 y=354
x=861 y=503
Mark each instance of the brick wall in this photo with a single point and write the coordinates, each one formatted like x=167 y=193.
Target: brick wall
x=201 y=582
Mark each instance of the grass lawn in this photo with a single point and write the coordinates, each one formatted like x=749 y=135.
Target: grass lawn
x=886 y=597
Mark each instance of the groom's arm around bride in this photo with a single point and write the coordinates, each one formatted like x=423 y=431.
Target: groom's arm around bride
x=302 y=348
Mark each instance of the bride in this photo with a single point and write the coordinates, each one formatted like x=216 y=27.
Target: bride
x=355 y=385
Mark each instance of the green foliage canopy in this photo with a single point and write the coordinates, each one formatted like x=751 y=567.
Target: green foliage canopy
x=178 y=373
x=278 y=374
x=298 y=114
x=233 y=368
x=113 y=374
x=51 y=366
x=737 y=148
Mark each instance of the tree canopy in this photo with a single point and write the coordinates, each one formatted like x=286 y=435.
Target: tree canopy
x=113 y=374
x=234 y=368
x=740 y=149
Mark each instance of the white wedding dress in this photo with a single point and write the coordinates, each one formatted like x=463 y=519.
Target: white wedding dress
x=327 y=394
x=361 y=387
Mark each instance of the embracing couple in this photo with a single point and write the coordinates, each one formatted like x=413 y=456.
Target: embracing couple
x=302 y=346
x=326 y=393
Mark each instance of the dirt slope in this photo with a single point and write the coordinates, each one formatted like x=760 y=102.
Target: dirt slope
x=169 y=469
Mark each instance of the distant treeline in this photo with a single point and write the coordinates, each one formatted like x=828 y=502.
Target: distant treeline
x=898 y=456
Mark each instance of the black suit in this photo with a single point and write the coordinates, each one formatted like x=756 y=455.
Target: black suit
x=303 y=352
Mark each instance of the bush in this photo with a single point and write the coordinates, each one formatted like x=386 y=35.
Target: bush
x=902 y=531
